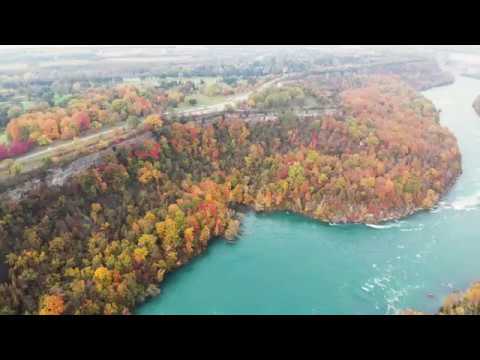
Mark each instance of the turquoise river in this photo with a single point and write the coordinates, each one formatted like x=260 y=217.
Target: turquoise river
x=286 y=264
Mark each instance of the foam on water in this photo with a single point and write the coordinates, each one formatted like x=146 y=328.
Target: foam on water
x=395 y=224
x=419 y=227
x=403 y=226
x=467 y=203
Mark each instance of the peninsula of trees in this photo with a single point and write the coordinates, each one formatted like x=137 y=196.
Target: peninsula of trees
x=104 y=241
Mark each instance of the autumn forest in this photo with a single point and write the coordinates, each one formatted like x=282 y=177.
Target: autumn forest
x=103 y=242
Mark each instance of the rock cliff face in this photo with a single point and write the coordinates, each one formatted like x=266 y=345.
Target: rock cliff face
x=58 y=176
x=476 y=105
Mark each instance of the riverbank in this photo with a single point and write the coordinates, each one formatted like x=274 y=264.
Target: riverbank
x=456 y=303
x=344 y=269
x=395 y=215
x=444 y=79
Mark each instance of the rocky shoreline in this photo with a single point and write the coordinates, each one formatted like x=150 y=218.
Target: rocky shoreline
x=397 y=215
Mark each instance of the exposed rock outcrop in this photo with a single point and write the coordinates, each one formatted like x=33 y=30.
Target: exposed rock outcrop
x=57 y=176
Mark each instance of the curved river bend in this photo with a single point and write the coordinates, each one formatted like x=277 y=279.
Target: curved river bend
x=286 y=264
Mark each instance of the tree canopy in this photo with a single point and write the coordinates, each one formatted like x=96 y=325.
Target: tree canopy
x=102 y=242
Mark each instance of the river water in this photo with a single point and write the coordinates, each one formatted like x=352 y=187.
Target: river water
x=286 y=264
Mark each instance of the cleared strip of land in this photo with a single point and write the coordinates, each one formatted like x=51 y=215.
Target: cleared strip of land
x=63 y=149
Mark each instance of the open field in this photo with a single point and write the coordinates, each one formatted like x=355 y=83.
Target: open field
x=310 y=102
x=202 y=100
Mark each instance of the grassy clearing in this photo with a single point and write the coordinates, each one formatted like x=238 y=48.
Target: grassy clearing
x=27 y=104
x=202 y=100
x=311 y=102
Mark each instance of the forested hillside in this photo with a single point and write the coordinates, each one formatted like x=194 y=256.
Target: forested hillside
x=104 y=242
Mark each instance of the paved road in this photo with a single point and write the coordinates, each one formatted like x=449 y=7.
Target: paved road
x=203 y=110
x=53 y=148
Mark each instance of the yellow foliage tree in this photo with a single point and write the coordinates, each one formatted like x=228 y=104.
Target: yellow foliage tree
x=102 y=277
x=205 y=235
x=140 y=254
x=189 y=237
x=153 y=122
x=52 y=305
